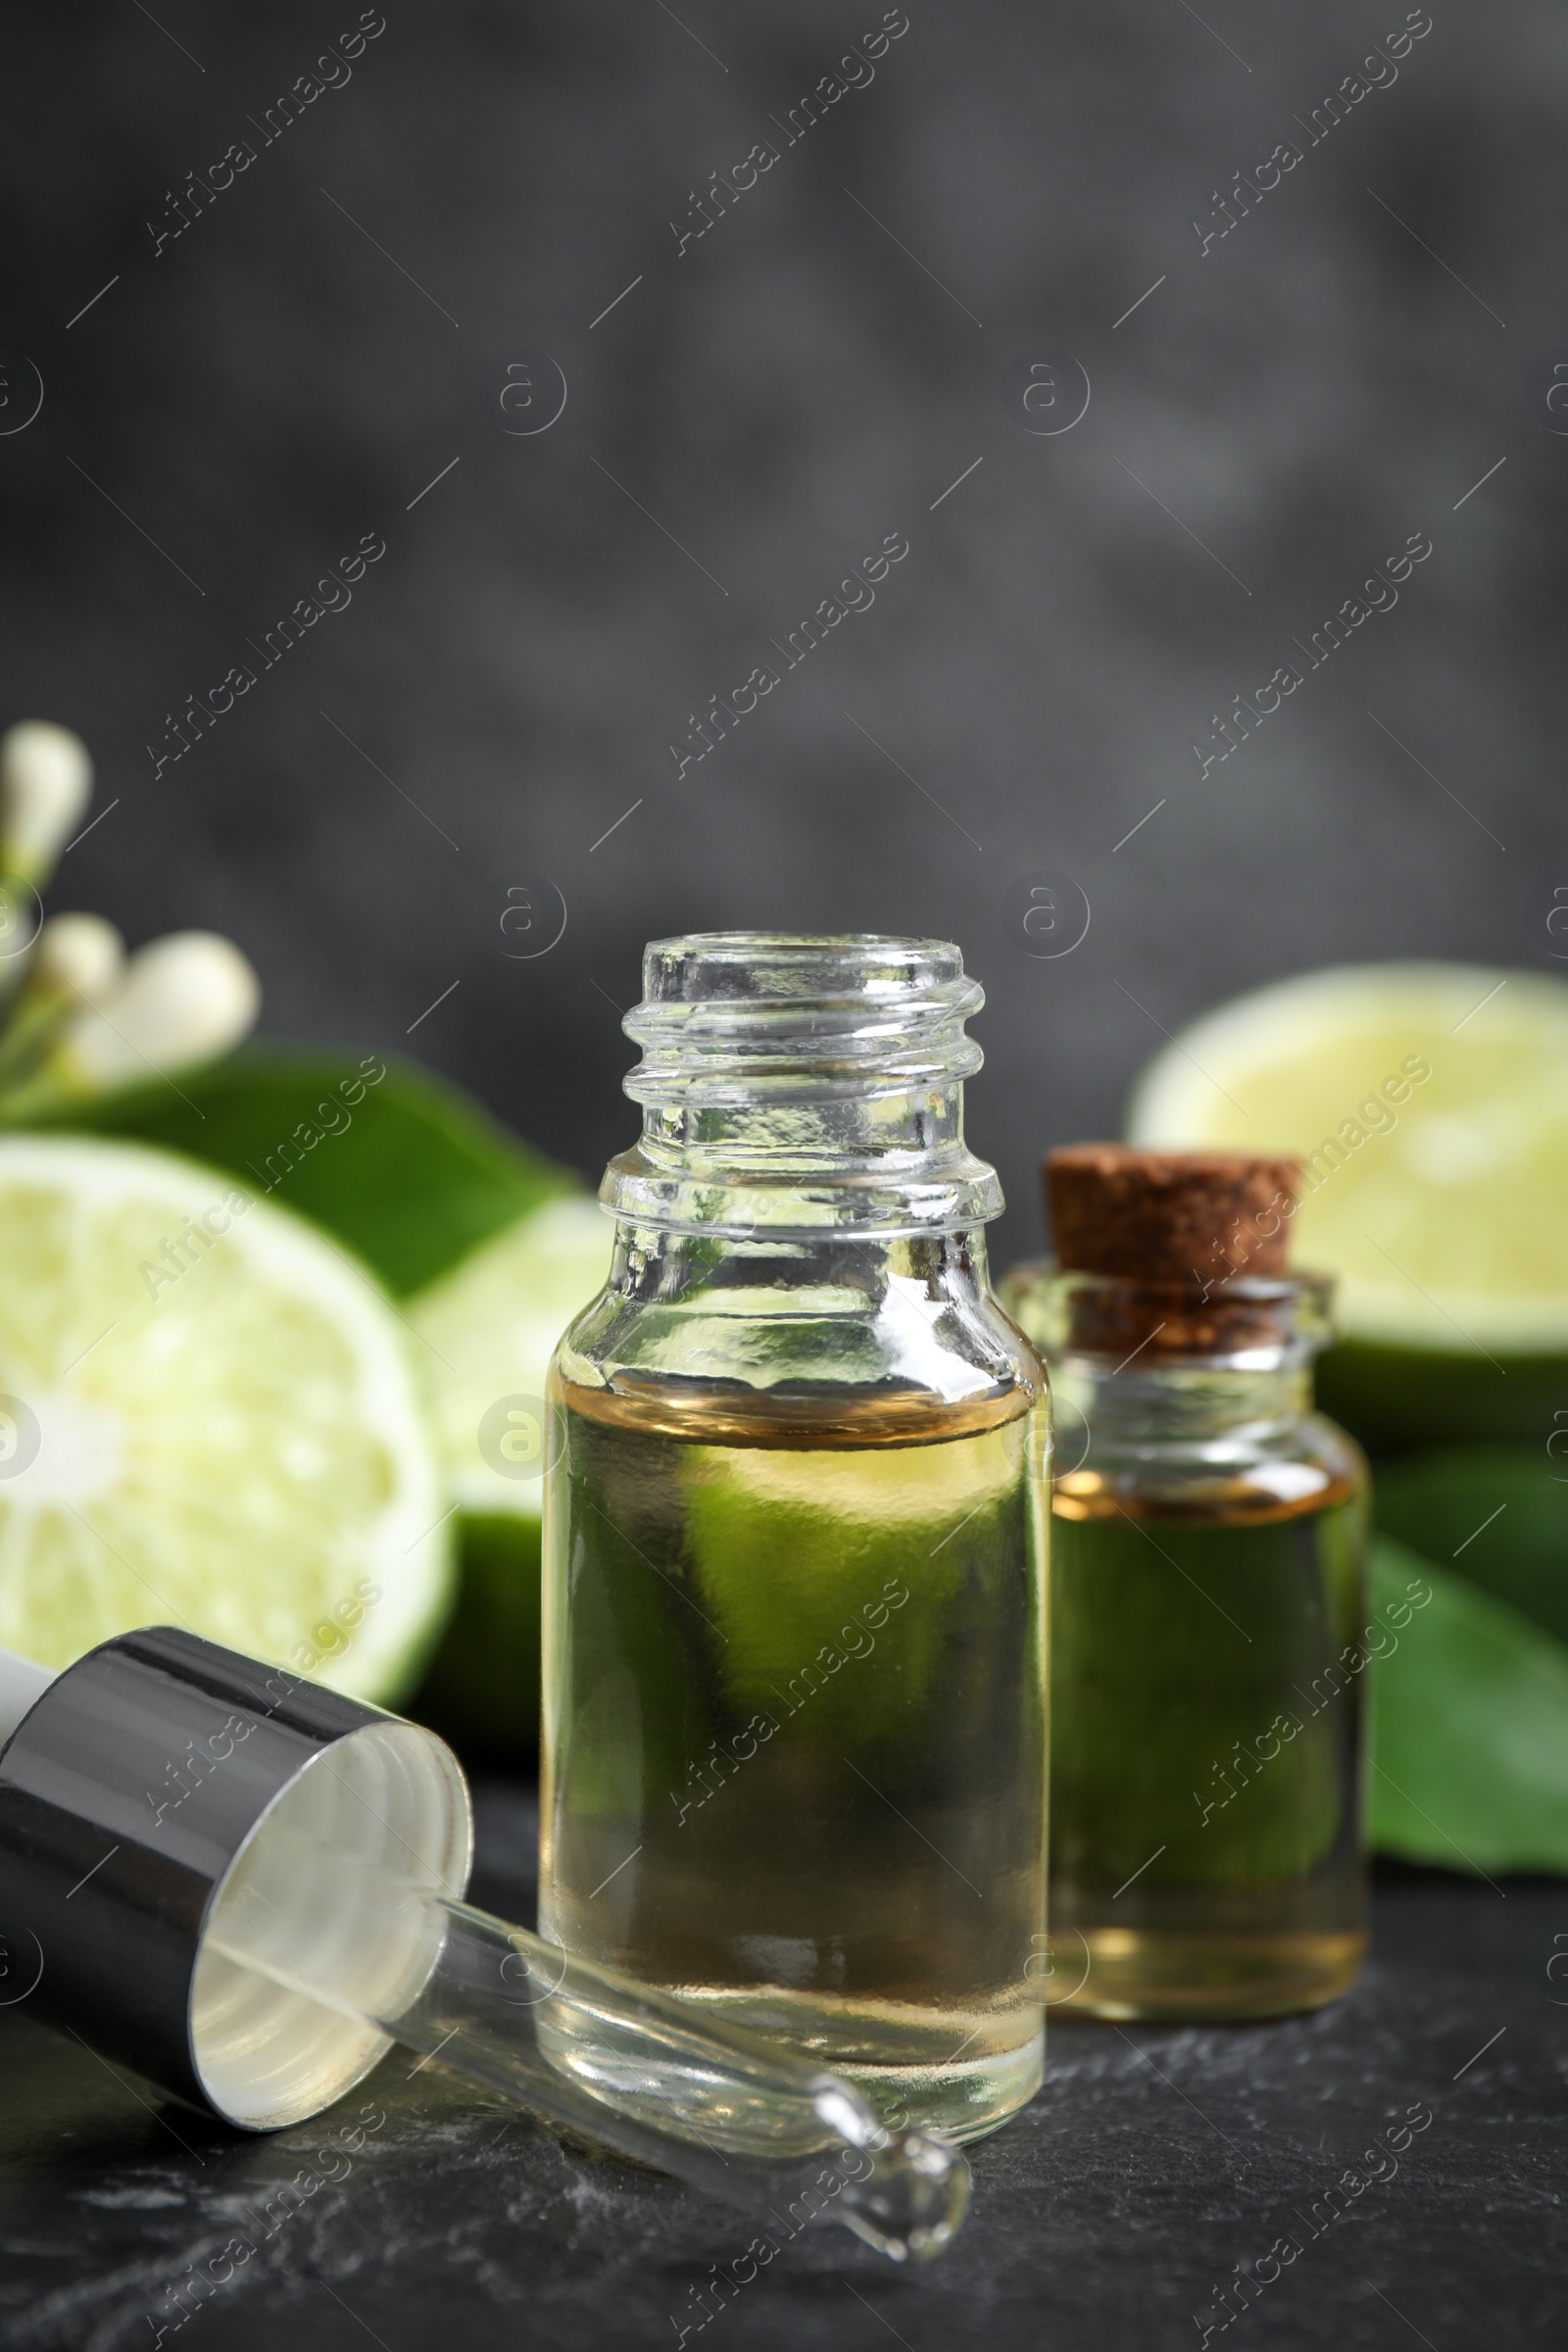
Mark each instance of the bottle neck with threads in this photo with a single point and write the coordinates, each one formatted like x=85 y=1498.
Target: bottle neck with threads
x=800 y=1205
x=804 y=1086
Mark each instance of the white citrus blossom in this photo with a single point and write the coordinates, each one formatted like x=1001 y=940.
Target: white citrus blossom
x=78 y=956
x=185 y=998
x=45 y=786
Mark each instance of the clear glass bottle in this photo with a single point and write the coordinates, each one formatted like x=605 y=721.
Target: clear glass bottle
x=793 y=1737
x=1208 y=1616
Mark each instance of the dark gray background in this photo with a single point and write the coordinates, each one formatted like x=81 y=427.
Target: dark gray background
x=792 y=388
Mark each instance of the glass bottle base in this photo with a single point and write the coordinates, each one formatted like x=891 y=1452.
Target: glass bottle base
x=1189 y=1973
x=923 y=2073
x=958 y=2102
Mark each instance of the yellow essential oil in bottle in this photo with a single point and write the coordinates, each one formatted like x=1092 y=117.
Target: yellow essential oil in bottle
x=1208 y=1598
x=795 y=1682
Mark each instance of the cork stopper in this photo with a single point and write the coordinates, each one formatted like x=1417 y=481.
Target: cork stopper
x=1173 y=1232
x=1170 y=1217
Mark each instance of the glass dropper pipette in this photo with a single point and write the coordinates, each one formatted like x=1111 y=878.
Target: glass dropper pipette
x=248 y=1886
x=643 y=2072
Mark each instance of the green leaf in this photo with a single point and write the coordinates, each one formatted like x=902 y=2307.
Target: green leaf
x=1470 y=1742
x=412 y=1174
x=1496 y=1514
x=1389 y=1396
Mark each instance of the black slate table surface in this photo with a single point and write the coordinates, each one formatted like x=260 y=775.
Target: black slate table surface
x=1158 y=2165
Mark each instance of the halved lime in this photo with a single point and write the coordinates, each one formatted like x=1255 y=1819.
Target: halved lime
x=491 y=1326
x=208 y=1419
x=1429 y=1102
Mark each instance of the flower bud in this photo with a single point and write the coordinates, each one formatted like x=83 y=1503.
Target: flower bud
x=45 y=785
x=78 y=956
x=185 y=998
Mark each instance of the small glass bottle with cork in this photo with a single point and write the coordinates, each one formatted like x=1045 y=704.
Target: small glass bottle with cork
x=1209 y=1538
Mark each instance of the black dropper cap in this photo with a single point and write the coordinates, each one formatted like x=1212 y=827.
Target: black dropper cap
x=130 y=1790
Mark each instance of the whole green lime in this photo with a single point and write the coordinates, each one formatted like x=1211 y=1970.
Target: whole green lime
x=491 y=1327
